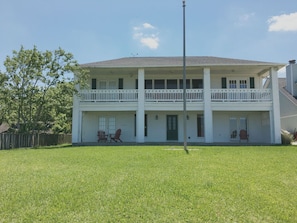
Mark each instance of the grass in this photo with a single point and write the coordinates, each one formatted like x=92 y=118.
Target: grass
x=149 y=184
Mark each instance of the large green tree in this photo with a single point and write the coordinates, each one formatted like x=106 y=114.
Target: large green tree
x=37 y=87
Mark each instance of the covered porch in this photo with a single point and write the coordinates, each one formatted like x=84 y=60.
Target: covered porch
x=166 y=127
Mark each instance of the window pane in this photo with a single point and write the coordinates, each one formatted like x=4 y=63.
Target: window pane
x=107 y=124
x=242 y=83
x=181 y=84
x=102 y=126
x=171 y=84
x=197 y=84
x=233 y=128
x=112 y=85
x=102 y=85
x=111 y=125
x=148 y=84
x=232 y=84
x=243 y=123
x=159 y=84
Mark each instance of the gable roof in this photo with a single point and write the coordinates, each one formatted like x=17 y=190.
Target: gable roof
x=191 y=61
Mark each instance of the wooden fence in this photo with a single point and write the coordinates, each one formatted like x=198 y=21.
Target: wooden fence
x=12 y=140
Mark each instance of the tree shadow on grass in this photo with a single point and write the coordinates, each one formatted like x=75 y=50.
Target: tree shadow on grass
x=53 y=146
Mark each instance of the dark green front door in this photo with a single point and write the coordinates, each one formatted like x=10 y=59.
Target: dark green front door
x=172 y=128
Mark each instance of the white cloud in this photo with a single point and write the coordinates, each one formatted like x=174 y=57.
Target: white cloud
x=148 y=26
x=285 y=22
x=147 y=35
x=151 y=42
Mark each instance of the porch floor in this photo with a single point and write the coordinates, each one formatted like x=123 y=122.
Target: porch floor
x=170 y=144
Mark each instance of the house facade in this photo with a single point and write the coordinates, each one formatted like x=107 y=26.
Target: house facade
x=143 y=96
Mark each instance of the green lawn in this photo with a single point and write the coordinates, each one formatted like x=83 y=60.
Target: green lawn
x=149 y=184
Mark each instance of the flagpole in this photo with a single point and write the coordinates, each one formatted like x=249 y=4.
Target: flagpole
x=184 y=79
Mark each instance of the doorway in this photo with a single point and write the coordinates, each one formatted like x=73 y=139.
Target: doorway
x=172 y=127
x=236 y=124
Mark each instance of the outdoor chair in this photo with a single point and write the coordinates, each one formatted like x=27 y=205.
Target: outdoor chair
x=233 y=134
x=116 y=136
x=102 y=136
x=243 y=135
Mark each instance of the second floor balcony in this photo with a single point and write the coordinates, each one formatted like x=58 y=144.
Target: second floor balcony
x=175 y=95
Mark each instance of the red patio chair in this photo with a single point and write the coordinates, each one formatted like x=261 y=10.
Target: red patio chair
x=243 y=135
x=116 y=136
x=102 y=136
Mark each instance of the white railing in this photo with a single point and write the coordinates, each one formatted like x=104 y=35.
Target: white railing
x=173 y=95
x=242 y=95
x=176 y=95
x=108 y=95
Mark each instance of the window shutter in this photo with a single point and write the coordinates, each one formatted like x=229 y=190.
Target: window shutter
x=145 y=125
x=224 y=82
x=135 y=125
x=94 y=83
x=252 y=82
x=121 y=83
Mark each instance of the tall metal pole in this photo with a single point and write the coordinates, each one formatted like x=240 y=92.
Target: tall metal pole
x=184 y=78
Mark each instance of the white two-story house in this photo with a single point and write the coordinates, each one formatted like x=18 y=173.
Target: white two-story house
x=143 y=96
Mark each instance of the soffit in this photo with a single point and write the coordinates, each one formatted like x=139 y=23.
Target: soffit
x=260 y=70
x=174 y=66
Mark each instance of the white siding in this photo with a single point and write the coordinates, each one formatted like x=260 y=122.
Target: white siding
x=288 y=114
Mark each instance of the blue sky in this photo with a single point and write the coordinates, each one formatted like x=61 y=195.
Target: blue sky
x=95 y=30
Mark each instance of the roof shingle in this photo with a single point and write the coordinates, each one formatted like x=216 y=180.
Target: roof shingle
x=143 y=62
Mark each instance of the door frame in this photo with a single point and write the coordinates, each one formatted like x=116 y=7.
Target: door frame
x=172 y=127
x=239 y=122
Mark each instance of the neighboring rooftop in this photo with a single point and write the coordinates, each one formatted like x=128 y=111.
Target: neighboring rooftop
x=4 y=127
x=282 y=88
x=143 y=62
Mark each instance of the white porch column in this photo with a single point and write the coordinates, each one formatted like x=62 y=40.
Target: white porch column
x=140 y=110
x=276 y=137
x=76 y=121
x=208 y=119
x=271 y=121
x=80 y=124
x=76 y=117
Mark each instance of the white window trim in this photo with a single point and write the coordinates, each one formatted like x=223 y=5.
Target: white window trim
x=238 y=79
